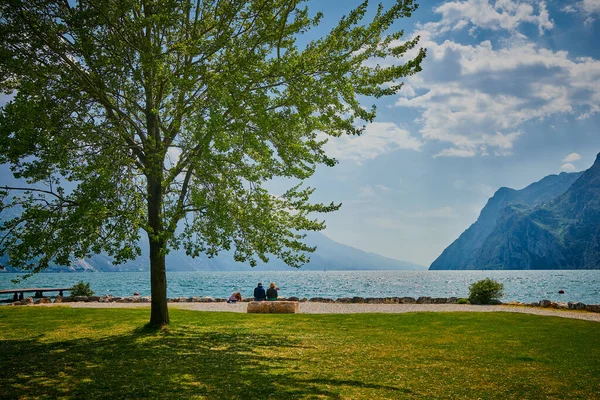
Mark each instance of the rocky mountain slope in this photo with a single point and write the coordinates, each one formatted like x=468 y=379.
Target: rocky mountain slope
x=458 y=254
x=551 y=224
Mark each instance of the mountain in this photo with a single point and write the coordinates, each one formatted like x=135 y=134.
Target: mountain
x=330 y=255
x=551 y=224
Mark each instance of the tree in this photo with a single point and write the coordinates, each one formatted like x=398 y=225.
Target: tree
x=170 y=116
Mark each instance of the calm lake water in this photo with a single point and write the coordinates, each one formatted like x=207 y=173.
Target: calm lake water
x=527 y=286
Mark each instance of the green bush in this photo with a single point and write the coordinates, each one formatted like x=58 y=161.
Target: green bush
x=486 y=291
x=81 y=289
x=462 y=301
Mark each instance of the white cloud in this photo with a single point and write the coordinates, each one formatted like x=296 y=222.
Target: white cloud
x=477 y=97
x=455 y=153
x=588 y=9
x=379 y=138
x=568 y=167
x=584 y=6
x=572 y=157
x=382 y=188
x=501 y=14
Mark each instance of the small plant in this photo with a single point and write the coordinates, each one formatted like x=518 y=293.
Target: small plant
x=462 y=301
x=486 y=291
x=81 y=289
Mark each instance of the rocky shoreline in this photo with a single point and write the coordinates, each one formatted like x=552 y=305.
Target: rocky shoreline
x=343 y=300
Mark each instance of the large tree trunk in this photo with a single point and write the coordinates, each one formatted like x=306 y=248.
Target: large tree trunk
x=158 y=276
x=159 y=314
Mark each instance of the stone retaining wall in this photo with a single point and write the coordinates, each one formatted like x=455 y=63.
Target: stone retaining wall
x=342 y=300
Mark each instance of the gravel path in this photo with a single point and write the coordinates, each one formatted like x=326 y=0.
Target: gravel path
x=332 y=308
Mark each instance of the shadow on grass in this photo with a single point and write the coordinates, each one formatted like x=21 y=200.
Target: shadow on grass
x=167 y=364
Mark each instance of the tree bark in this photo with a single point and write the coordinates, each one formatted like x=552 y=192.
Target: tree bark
x=159 y=314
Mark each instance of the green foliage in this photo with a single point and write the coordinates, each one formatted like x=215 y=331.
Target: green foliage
x=81 y=289
x=485 y=291
x=462 y=301
x=52 y=351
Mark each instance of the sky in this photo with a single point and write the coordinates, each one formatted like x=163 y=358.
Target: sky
x=509 y=93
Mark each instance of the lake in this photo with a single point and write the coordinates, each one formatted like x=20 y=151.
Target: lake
x=526 y=286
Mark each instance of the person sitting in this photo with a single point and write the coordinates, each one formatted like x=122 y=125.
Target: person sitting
x=259 y=293
x=272 y=292
x=235 y=297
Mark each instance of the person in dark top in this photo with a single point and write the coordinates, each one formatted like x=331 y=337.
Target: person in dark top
x=259 y=293
x=272 y=292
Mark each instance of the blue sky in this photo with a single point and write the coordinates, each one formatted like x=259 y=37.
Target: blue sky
x=509 y=93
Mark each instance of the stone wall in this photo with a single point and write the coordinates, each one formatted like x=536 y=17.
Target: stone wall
x=342 y=300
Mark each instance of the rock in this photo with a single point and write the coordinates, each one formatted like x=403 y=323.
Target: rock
x=27 y=301
x=206 y=300
x=374 y=300
x=196 y=299
x=93 y=298
x=45 y=300
x=545 y=303
x=248 y=300
x=219 y=300
x=576 y=306
x=344 y=300
x=358 y=300
x=320 y=300
x=407 y=300
x=562 y=306
x=439 y=300
x=391 y=300
x=293 y=298
x=593 y=308
x=146 y=299
x=272 y=307
x=303 y=300
x=80 y=298
x=424 y=300
x=58 y=299
x=451 y=300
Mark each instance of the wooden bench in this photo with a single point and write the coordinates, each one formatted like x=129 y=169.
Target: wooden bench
x=272 y=307
x=39 y=292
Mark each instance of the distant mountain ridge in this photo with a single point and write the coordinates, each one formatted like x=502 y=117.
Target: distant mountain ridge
x=551 y=224
x=330 y=255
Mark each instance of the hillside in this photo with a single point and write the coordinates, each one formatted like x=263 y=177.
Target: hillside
x=460 y=254
x=330 y=255
x=563 y=233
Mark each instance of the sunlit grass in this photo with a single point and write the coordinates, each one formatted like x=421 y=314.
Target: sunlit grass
x=107 y=353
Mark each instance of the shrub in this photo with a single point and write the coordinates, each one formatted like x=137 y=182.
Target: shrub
x=486 y=291
x=462 y=301
x=81 y=289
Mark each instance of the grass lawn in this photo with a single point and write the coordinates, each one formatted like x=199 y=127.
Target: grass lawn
x=106 y=353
